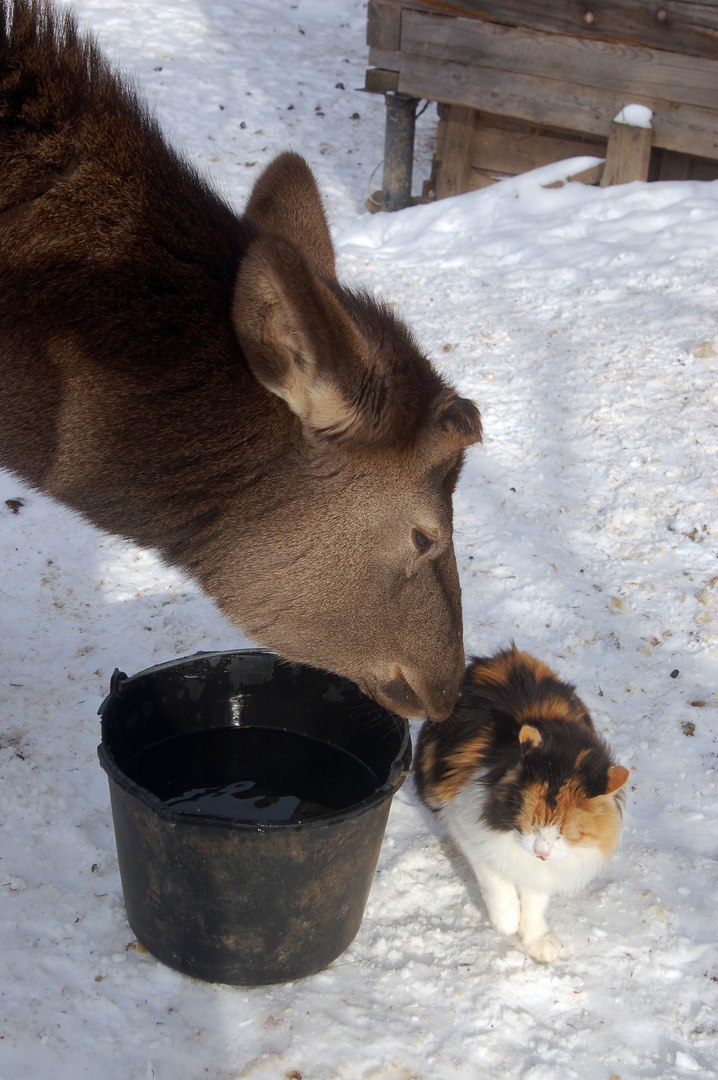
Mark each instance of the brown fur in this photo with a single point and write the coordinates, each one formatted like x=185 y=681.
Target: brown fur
x=496 y=670
x=456 y=770
x=201 y=382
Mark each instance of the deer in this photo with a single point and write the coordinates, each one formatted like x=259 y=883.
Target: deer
x=198 y=380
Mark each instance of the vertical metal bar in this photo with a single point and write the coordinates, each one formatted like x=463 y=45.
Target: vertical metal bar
x=398 y=151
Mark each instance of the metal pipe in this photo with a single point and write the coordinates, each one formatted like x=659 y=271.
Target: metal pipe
x=398 y=151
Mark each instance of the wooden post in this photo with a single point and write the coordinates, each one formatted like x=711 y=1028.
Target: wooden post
x=457 y=153
x=398 y=151
x=628 y=153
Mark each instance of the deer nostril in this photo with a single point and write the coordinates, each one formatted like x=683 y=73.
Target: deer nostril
x=419 y=697
x=401 y=698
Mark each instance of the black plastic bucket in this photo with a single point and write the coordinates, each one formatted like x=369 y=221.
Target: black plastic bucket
x=247 y=901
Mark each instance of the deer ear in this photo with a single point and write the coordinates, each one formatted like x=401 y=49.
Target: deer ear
x=459 y=420
x=293 y=332
x=285 y=200
x=343 y=364
x=617 y=777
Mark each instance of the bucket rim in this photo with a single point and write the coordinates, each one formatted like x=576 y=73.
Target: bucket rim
x=178 y=817
x=398 y=769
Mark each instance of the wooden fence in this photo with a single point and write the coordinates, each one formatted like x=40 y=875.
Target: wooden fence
x=520 y=83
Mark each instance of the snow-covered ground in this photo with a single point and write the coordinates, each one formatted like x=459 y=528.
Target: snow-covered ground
x=585 y=324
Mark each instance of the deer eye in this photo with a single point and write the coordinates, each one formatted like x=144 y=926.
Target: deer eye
x=421 y=541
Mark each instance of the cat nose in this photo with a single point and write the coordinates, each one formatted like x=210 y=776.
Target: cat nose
x=541 y=849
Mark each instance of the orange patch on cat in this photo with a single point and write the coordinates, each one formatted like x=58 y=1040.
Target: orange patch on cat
x=494 y=672
x=428 y=755
x=511 y=776
x=539 y=669
x=617 y=777
x=460 y=767
x=594 y=822
x=534 y=812
x=530 y=735
x=552 y=707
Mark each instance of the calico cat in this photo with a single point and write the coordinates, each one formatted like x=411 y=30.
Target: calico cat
x=526 y=788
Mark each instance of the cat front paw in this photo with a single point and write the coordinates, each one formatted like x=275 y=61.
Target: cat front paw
x=502 y=902
x=544 y=949
x=506 y=920
x=505 y=924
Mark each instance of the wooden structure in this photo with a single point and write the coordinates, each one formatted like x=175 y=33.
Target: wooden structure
x=521 y=83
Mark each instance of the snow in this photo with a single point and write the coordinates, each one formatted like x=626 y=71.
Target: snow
x=584 y=322
x=635 y=115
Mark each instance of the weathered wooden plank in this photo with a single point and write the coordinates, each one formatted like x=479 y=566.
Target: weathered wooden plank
x=674 y=166
x=383 y=28
x=481 y=178
x=515 y=149
x=682 y=26
x=630 y=69
x=458 y=152
x=547 y=103
x=685 y=167
x=703 y=170
x=379 y=81
x=388 y=59
x=592 y=175
x=628 y=154
x=507 y=149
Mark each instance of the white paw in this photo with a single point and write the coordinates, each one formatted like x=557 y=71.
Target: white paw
x=506 y=921
x=544 y=949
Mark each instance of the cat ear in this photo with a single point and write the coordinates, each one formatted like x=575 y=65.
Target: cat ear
x=617 y=777
x=529 y=736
